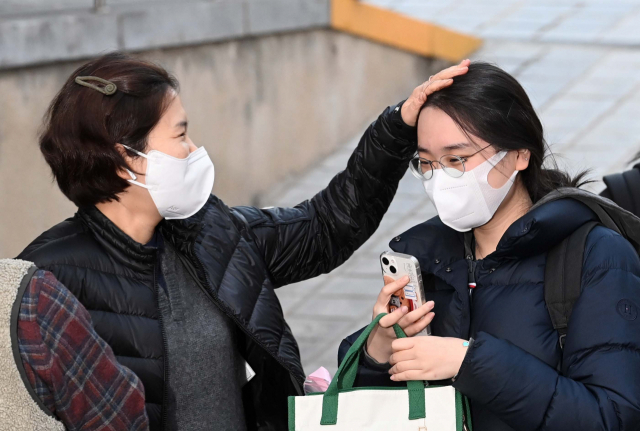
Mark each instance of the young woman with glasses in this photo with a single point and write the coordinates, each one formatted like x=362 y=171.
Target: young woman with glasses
x=481 y=158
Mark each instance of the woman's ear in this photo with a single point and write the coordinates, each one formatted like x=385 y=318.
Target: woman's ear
x=522 y=160
x=135 y=163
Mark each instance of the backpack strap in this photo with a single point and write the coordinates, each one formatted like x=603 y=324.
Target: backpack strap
x=632 y=178
x=624 y=189
x=563 y=278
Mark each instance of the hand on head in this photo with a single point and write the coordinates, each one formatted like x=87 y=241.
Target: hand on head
x=411 y=107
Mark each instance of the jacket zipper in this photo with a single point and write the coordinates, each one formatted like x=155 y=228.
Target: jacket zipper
x=221 y=306
x=472 y=275
x=165 y=353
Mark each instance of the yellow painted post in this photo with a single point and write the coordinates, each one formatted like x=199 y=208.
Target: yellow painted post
x=400 y=31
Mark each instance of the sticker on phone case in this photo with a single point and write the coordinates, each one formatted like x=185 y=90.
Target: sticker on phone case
x=410 y=292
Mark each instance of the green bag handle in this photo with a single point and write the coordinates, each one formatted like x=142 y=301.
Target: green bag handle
x=346 y=376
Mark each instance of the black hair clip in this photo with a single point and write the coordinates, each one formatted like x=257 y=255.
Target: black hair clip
x=108 y=89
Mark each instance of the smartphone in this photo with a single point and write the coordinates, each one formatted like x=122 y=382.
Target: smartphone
x=396 y=266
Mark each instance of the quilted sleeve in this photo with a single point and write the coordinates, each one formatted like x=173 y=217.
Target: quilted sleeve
x=319 y=234
x=598 y=387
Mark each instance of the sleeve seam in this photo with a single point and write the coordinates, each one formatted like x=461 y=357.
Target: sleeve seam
x=546 y=411
x=466 y=360
x=605 y=268
x=602 y=348
x=616 y=409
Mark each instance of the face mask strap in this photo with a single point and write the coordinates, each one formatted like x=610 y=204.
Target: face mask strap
x=500 y=157
x=495 y=159
x=134 y=178
x=135 y=151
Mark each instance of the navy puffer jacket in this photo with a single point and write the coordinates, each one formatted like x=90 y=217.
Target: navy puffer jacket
x=515 y=374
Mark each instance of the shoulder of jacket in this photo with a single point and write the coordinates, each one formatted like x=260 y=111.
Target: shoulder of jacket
x=428 y=234
x=606 y=248
x=250 y=216
x=66 y=240
x=603 y=237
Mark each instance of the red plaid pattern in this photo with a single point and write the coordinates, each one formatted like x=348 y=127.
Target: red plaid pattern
x=71 y=368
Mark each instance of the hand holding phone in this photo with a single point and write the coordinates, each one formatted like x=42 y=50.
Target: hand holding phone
x=398 y=265
x=414 y=322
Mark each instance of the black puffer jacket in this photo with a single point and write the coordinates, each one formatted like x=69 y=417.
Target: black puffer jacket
x=238 y=256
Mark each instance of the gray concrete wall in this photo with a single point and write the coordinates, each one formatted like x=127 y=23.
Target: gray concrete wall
x=40 y=31
x=265 y=108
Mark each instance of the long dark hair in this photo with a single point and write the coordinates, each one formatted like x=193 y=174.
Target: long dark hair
x=490 y=104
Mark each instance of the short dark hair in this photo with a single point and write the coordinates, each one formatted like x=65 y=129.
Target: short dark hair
x=489 y=103
x=83 y=125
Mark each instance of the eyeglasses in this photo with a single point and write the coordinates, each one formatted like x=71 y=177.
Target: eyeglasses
x=452 y=165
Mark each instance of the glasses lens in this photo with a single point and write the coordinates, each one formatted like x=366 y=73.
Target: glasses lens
x=420 y=169
x=452 y=165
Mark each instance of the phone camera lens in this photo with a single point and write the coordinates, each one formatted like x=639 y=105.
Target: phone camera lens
x=385 y=261
x=392 y=269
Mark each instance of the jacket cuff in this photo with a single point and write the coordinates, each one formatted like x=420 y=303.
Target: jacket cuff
x=394 y=135
x=369 y=362
x=464 y=361
x=464 y=380
x=402 y=130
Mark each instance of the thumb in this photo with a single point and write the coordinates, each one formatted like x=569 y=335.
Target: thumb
x=411 y=109
x=393 y=318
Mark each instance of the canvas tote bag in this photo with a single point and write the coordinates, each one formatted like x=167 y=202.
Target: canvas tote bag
x=416 y=407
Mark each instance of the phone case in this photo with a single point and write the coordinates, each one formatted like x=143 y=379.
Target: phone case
x=412 y=295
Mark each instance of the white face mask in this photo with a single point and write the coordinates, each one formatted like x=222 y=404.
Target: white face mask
x=469 y=201
x=178 y=187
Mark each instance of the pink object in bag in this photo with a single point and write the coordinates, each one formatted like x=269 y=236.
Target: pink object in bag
x=318 y=381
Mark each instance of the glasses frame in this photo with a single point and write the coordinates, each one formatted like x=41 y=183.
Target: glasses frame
x=423 y=176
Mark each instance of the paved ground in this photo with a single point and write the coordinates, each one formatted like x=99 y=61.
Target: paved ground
x=579 y=62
